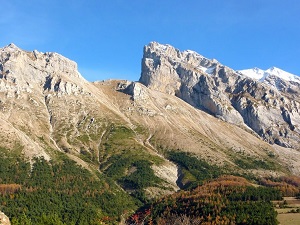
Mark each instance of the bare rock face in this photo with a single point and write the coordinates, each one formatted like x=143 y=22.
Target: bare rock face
x=188 y=75
x=30 y=84
x=4 y=220
x=23 y=71
x=136 y=90
x=270 y=108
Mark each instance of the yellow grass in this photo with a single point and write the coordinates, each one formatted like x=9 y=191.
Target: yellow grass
x=289 y=218
x=286 y=218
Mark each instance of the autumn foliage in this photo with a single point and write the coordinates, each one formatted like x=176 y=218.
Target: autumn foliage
x=225 y=200
x=288 y=185
x=9 y=188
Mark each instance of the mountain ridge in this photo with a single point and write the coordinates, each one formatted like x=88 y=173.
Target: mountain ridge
x=58 y=81
x=226 y=93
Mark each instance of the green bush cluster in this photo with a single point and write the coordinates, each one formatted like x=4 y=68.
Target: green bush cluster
x=60 y=193
x=194 y=170
x=142 y=177
x=251 y=163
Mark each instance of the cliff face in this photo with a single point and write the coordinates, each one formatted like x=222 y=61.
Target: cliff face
x=269 y=107
x=28 y=83
x=23 y=71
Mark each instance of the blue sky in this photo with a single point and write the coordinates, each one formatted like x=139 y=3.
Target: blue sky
x=106 y=38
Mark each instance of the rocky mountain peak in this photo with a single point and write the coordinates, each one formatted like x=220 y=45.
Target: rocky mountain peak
x=186 y=74
x=267 y=102
x=24 y=71
x=11 y=46
x=163 y=67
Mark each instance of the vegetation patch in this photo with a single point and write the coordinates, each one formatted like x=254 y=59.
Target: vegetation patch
x=193 y=170
x=59 y=193
x=84 y=138
x=288 y=185
x=226 y=200
x=142 y=177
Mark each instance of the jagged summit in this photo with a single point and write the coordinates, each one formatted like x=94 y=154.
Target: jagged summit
x=167 y=78
x=25 y=71
x=171 y=51
x=265 y=101
x=197 y=61
x=12 y=45
x=10 y=48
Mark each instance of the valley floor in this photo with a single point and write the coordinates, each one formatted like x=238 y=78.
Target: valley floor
x=289 y=215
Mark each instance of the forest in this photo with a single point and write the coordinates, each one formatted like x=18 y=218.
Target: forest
x=61 y=192
x=225 y=200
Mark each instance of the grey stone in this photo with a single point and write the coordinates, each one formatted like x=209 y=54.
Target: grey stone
x=269 y=108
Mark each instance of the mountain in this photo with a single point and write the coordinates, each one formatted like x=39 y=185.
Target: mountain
x=267 y=102
x=134 y=141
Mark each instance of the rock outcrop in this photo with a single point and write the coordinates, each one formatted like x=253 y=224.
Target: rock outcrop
x=269 y=107
x=22 y=71
x=4 y=220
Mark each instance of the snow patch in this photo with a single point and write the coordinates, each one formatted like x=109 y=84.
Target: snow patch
x=208 y=70
x=261 y=75
x=282 y=74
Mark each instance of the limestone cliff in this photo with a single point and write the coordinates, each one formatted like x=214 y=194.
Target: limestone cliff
x=269 y=108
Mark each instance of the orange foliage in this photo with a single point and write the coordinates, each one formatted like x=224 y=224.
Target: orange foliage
x=9 y=188
x=292 y=180
x=203 y=205
x=288 y=185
